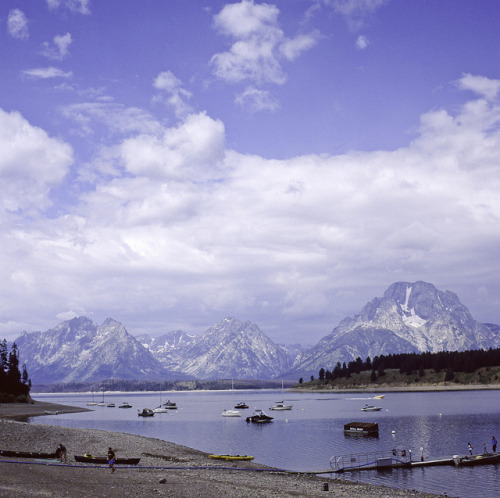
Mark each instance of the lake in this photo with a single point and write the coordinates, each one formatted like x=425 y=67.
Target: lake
x=435 y=424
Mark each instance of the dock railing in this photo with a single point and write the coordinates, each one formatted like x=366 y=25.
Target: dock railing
x=364 y=461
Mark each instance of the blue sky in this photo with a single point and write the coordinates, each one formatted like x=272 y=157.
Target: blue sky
x=170 y=163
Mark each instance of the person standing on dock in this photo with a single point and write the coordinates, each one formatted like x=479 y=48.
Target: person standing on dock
x=470 y=448
x=493 y=444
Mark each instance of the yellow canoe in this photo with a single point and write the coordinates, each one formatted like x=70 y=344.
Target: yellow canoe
x=231 y=457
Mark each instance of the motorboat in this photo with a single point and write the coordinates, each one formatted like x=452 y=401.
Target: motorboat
x=260 y=417
x=159 y=409
x=241 y=406
x=170 y=405
x=380 y=396
x=231 y=413
x=280 y=405
x=125 y=405
x=146 y=412
x=111 y=405
x=371 y=408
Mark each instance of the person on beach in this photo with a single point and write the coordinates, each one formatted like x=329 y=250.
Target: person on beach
x=470 y=448
x=493 y=444
x=111 y=459
x=63 y=453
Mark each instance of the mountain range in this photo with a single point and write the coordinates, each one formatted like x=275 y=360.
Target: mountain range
x=410 y=317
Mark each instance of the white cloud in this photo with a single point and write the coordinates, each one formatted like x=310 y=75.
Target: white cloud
x=193 y=150
x=481 y=85
x=78 y=6
x=172 y=93
x=47 y=73
x=362 y=42
x=355 y=12
x=17 y=24
x=31 y=163
x=191 y=230
x=60 y=49
x=259 y=44
x=257 y=100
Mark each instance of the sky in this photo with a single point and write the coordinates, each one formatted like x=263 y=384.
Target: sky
x=171 y=163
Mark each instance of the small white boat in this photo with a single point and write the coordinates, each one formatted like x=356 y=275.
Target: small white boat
x=160 y=410
x=370 y=408
x=231 y=413
x=280 y=405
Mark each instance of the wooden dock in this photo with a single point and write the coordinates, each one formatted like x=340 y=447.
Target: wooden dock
x=397 y=459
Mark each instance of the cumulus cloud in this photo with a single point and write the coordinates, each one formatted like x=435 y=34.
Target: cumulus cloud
x=59 y=49
x=31 y=163
x=77 y=6
x=47 y=73
x=17 y=24
x=193 y=151
x=208 y=231
x=172 y=93
x=481 y=85
x=259 y=44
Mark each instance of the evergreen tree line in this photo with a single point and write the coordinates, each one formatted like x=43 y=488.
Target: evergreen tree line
x=411 y=363
x=15 y=384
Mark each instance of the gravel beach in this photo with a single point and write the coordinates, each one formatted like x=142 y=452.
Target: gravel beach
x=165 y=469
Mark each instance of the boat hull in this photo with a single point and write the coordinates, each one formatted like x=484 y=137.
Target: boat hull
x=231 y=457
x=27 y=454
x=104 y=460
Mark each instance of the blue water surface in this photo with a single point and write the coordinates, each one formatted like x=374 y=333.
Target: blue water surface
x=431 y=424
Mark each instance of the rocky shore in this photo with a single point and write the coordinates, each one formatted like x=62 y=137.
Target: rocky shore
x=165 y=469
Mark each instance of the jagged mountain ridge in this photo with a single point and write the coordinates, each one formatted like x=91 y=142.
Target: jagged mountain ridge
x=229 y=349
x=410 y=317
x=79 y=350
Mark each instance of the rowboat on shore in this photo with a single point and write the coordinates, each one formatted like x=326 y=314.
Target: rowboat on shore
x=104 y=460
x=231 y=457
x=28 y=454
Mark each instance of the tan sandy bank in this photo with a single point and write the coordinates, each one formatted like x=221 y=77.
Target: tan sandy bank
x=165 y=469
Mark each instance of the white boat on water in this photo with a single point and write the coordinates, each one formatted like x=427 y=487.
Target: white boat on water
x=231 y=413
x=370 y=408
x=280 y=405
x=160 y=410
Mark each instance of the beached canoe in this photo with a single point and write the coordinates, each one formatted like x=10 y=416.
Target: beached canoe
x=104 y=460
x=231 y=457
x=27 y=454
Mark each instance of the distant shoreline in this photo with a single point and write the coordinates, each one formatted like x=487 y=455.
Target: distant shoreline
x=382 y=388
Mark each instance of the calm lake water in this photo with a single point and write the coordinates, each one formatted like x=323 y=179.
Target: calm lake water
x=304 y=439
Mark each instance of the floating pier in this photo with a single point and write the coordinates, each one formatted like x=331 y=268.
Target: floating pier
x=395 y=459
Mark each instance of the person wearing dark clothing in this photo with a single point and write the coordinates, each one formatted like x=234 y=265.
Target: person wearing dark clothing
x=111 y=459
x=63 y=453
x=493 y=444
